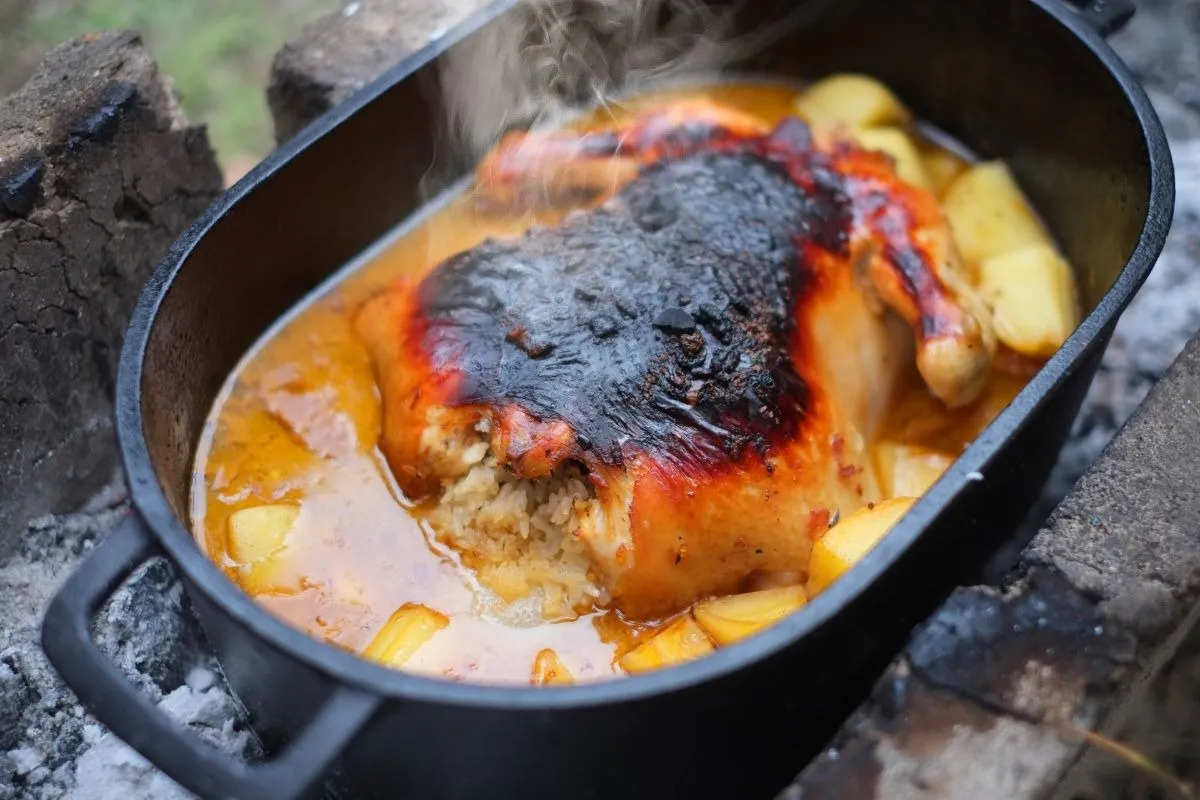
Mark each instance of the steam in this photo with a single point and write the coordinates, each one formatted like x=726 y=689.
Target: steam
x=546 y=59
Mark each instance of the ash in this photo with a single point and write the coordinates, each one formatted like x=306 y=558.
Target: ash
x=49 y=746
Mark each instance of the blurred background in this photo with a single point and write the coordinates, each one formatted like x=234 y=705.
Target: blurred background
x=218 y=52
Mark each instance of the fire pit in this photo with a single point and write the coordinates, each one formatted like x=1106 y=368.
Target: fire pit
x=1096 y=603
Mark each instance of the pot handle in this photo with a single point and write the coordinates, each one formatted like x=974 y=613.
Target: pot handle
x=1105 y=16
x=111 y=699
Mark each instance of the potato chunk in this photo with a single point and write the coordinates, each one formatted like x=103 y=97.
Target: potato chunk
x=908 y=470
x=989 y=214
x=846 y=543
x=682 y=640
x=943 y=168
x=548 y=670
x=899 y=146
x=733 y=618
x=409 y=627
x=257 y=538
x=1033 y=298
x=259 y=532
x=852 y=100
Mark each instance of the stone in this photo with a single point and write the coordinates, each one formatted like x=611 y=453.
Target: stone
x=342 y=52
x=99 y=172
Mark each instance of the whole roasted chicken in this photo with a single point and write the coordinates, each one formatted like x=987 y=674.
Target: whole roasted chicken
x=672 y=392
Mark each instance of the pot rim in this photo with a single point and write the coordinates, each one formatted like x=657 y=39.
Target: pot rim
x=176 y=539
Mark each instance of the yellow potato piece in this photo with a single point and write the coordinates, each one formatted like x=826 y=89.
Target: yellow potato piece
x=259 y=532
x=942 y=167
x=899 y=145
x=272 y=575
x=846 y=543
x=852 y=100
x=409 y=627
x=908 y=470
x=548 y=670
x=682 y=640
x=733 y=618
x=257 y=540
x=989 y=214
x=1033 y=298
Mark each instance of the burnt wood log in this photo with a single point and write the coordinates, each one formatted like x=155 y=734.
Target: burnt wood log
x=964 y=713
x=340 y=53
x=99 y=172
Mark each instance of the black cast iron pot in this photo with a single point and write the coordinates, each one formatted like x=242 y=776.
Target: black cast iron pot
x=1027 y=80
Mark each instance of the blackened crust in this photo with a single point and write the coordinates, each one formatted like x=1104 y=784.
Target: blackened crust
x=662 y=319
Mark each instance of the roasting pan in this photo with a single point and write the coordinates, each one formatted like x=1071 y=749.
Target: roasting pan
x=1031 y=81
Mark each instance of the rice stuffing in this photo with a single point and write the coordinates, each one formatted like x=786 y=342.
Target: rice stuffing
x=520 y=536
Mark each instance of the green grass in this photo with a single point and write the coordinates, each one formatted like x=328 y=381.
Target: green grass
x=218 y=52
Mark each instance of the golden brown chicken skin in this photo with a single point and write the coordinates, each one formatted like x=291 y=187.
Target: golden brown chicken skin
x=707 y=348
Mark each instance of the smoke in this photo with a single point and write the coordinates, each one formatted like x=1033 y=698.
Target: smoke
x=545 y=59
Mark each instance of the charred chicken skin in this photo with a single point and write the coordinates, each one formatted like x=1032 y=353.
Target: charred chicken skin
x=683 y=377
